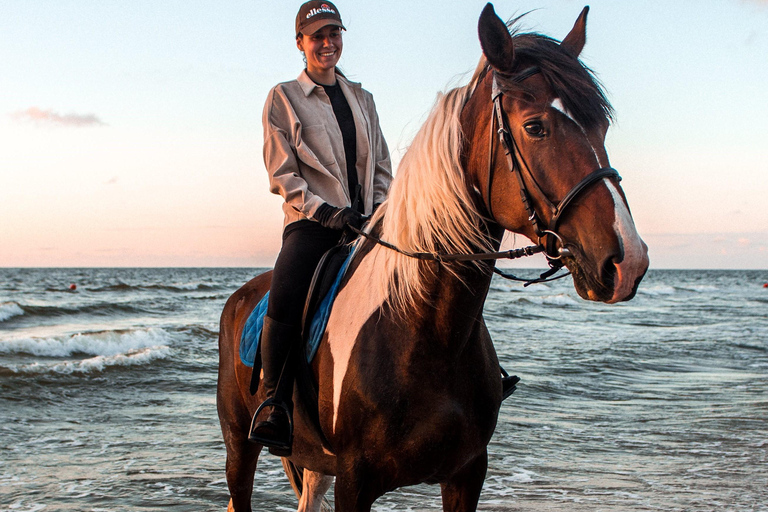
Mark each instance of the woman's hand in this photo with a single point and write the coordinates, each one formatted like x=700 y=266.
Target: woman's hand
x=337 y=218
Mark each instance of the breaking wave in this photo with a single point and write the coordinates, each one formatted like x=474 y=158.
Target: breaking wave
x=99 y=363
x=9 y=310
x=103 y=343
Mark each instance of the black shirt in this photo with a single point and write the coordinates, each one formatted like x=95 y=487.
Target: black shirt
x=346 y=121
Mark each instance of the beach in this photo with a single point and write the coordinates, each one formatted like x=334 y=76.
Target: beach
x=107 y=395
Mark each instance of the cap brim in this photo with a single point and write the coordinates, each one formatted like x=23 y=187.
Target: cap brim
x=317 y=25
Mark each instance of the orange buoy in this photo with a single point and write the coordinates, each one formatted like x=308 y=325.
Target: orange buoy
x=765 y=285
x=73 y=286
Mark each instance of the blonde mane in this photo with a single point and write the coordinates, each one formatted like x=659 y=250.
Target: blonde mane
x=429 y=208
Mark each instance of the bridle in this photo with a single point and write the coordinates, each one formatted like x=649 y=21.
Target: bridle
x=514 y=157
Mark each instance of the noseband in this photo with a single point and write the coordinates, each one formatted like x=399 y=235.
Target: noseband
x=514 y=157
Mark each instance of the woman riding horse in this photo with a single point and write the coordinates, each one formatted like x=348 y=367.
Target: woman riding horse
x=326 y=155
x=407 y=376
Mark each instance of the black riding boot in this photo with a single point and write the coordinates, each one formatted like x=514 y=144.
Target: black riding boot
x=276 y=432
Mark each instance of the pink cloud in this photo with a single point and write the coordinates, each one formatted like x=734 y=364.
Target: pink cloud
x=36 y=115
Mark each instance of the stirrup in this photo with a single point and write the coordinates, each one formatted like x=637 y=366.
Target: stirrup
x=275 y=447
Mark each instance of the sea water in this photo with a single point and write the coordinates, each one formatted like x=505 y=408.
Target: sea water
x=107 y=395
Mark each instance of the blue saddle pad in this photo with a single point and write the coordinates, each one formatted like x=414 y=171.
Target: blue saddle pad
x=249 y=341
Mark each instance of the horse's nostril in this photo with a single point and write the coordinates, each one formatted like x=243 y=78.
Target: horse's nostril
x=608 y=271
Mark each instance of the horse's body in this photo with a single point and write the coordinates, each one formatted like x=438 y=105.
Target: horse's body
x=408 y=381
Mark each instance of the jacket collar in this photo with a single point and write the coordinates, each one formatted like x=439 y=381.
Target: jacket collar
x=307 y=85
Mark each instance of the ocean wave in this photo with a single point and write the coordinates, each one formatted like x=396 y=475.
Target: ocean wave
x=101 y=309
x=561 y=300
x=132 y=357
x=103 y=343
x=700 y=288
x=9 y=310
x=174 y=287
x=657 y=290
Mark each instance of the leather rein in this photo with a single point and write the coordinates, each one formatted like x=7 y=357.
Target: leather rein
x=514 y=157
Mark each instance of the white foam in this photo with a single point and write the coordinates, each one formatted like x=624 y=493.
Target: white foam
x=109 y=343
x=194 y=286
x=657 y=290
x=9 y=310
x=700 y=288
x=32 y=507
x=560 y=300
x=98 y=363
x=550 y=300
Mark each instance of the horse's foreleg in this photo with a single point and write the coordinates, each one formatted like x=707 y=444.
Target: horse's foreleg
x=354 y=490
x=314 y=487
x=462 y=492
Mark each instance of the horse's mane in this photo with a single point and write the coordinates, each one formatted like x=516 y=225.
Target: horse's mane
x=430 y=208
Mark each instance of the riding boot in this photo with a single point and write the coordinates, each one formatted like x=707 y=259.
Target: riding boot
x=276 y=432
x=508 y=383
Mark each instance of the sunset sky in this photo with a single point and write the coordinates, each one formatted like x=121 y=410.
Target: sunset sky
x=130 y=132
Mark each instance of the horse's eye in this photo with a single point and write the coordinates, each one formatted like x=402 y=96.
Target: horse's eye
x=535 y=129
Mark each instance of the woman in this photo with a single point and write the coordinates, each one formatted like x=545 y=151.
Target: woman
x=326 y=155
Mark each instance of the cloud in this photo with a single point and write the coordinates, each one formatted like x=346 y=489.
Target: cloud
x=36 y=115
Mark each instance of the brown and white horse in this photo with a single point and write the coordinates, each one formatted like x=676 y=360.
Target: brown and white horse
x=408 y=378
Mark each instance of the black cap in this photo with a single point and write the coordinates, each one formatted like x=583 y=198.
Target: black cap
x=315 y=15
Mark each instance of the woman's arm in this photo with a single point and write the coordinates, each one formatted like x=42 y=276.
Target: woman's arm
x=282 y=164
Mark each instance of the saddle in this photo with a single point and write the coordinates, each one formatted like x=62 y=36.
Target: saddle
x=317 y=309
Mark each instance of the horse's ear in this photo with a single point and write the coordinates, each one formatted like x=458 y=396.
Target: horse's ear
x=495 y=40
x=576 y=39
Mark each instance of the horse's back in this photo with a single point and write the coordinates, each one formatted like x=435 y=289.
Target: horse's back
x=237 y=309
x=234 y=375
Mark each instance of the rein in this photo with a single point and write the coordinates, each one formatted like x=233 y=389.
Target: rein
x=514 y=157
x=512 y=254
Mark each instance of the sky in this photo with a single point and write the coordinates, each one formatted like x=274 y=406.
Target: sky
x=130 y=132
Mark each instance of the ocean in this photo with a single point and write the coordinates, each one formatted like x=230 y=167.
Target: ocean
x=107 y=395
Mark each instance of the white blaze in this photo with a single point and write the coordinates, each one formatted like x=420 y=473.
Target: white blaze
x=635 y=252
x=354 y=305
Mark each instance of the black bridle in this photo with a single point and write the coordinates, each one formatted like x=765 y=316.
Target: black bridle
x=514 y=157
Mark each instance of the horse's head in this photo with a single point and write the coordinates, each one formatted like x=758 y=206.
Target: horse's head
x=557 y=118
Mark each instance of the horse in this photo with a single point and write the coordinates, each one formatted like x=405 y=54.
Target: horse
x=408 y=384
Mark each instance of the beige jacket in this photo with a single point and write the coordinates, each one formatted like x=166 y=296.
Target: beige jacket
x=304 y=148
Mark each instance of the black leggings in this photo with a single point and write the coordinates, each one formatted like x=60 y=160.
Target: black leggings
x=304 y=243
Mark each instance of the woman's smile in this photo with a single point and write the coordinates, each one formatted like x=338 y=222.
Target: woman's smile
x=322 y=51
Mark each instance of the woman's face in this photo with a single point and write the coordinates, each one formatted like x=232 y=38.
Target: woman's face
x=322 y=49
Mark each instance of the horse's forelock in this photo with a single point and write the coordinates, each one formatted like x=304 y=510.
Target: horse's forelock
x=575 y=84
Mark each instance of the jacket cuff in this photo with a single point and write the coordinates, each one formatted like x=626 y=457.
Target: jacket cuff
x=323 y=213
